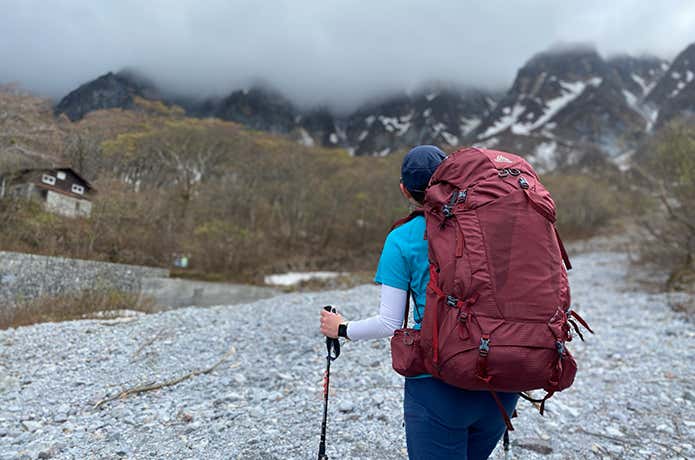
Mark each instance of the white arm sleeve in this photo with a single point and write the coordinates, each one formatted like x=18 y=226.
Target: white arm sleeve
x=390 y=317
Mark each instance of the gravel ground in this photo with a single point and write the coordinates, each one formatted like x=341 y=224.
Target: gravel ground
x=634 y=396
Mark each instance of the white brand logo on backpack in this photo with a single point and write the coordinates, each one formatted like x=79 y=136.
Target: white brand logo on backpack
x=501 y=159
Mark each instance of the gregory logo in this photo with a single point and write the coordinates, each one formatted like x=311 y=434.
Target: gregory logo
x=501 y=159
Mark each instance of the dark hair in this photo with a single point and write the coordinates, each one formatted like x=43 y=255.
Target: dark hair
x=418 y=196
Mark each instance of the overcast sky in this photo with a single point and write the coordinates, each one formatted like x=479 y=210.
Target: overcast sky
x=331 y=51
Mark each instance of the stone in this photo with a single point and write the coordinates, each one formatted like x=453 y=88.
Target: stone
x=31 y=425
x=538 y=445
x=346 y=406
x=664 y=428
x=46 y=454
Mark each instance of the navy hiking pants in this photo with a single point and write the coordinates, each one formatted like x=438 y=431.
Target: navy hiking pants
x=445 y=422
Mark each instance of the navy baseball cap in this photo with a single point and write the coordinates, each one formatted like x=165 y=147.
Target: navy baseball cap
x=418 y=166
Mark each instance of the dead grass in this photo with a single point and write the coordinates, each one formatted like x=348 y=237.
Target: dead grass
x=346 y=281
x=78 y=305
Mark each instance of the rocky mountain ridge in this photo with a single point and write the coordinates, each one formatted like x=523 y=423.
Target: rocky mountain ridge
x=564 y=107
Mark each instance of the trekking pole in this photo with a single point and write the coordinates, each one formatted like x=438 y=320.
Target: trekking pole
x=505 y=443
x=333 y=348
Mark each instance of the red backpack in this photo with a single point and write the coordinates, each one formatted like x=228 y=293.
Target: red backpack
x=498 y=312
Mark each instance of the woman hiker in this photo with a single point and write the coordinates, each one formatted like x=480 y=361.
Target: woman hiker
x=441 y=421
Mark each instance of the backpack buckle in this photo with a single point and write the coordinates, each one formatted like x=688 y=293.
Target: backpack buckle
x=451 y=301
x=560 y=346
x=484 y=347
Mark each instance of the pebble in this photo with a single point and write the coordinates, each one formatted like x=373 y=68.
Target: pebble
x=266 y=400
x=31 y=425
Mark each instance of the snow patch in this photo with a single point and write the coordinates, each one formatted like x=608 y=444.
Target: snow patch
x=384 y=152
x=510 y=117
x=306 y=139
x=333 y=138
x=677 y=89
x=370 y=120
x=675 y=75
x=431 y=96
x=438 y=127
x=468 y=124
x=363 y=135
x=342 y=135
x=646 y=87
x=394 y=125
x=689 y=76
x=570 y=91
x=545 y=155
x=488 y=143
x=651 y=113
x=630 y=98
x=450 y=138
x=623 y=161
x=292 y=278
x=427 y=112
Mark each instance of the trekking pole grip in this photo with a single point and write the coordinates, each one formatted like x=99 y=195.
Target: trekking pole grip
x=332 y=345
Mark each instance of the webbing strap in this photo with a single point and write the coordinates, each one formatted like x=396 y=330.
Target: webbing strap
x=547 y=396
x=565 y=257
x=434 y=285
x=460 y=241
x=581 y=320
x=503 y=411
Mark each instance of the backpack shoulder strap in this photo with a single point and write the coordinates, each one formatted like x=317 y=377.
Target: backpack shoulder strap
x=398 y=223
x=408 y=218
x=407 y=309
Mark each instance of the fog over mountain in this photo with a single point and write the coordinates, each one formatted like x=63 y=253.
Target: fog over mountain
x=338 y=53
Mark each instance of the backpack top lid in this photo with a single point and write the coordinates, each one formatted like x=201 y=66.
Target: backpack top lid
x=470 y=164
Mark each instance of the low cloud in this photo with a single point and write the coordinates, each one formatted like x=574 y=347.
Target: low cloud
x=337 y=52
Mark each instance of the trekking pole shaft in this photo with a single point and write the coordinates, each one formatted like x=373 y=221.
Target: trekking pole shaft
x=322 y=444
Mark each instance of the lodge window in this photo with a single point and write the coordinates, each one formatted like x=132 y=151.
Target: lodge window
x=77 y=189
x=48 y=179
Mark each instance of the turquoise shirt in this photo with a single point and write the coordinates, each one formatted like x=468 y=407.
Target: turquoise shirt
x=404 y=261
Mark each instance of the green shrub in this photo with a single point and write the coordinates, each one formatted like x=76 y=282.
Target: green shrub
x=668 y=232
x=586 y=204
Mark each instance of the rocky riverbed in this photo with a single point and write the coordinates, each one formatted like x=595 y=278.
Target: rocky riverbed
x=634 y=396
